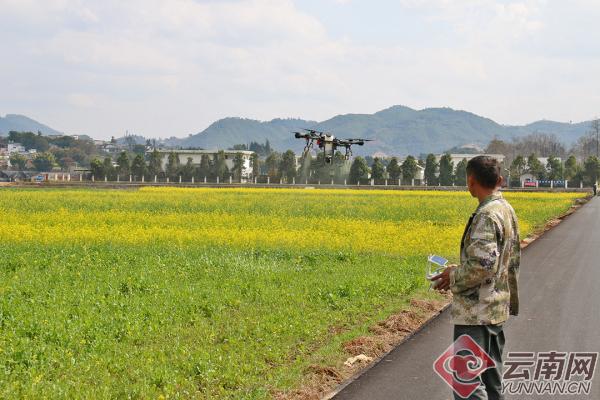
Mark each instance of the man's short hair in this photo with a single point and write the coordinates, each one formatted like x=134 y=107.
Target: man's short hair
x=486 y=171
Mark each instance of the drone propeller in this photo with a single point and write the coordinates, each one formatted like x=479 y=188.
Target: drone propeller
x=350 y=142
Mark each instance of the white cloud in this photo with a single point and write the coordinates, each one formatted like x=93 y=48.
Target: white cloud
x=485 y=20
x=171 y=67
x=180 y=48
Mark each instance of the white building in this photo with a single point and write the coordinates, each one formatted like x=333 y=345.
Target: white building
x=456 y=158
x=16 y=148
x=196 y=156
x=528 y=179
x=420 y=175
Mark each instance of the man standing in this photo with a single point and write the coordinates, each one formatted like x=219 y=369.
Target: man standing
x=484 y=285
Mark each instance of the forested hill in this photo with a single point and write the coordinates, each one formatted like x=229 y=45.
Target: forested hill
x=397 y=130
x=21 y=123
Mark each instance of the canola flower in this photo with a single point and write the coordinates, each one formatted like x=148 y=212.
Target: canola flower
x=210 y=293
x=391 y=222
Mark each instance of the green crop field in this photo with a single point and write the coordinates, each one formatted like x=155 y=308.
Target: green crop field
x=209 y=293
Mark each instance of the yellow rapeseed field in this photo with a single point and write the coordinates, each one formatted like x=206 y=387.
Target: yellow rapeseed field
x=210 y=293
x=364 y=221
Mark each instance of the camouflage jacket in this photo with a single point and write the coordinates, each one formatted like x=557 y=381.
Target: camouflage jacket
x=485 y=283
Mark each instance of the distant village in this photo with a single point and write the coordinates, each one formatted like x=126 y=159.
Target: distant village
x=537 y=160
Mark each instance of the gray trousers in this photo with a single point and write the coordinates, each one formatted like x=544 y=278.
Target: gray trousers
x=491 y=339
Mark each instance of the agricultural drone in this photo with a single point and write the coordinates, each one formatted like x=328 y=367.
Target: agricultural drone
x=328 y=143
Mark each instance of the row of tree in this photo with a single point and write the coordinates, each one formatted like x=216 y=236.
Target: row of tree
x=283 y=166
x=546 y=145
x=210 y=168
x=587 y=172
x=445 y=173
x=406 y=171
x=442 y=172
x=277 y=166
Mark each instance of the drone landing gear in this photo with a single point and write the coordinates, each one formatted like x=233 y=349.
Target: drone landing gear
x=348 y=153
x=308 y=147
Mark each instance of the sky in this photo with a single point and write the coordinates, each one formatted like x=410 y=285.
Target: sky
x=163 y=68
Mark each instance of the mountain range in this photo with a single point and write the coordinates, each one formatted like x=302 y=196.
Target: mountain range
x=397 y=130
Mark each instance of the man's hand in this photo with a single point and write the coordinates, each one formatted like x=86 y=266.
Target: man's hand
x=442 y=281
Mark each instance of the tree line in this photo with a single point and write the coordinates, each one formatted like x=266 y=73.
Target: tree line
x=395 y=171
x=139 y=167
x=435 y=173
x=579 y=163
x=445 y=173
x=276 y=166
x=586 y=172
x=546 y=145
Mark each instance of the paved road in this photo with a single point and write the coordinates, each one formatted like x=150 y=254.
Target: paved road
x=560 y=310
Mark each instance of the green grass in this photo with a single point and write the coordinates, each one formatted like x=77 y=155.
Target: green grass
x=108 y=321
x=113 y=318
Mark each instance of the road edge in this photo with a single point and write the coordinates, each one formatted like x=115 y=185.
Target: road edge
x=524 y=244
x=376 y=361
